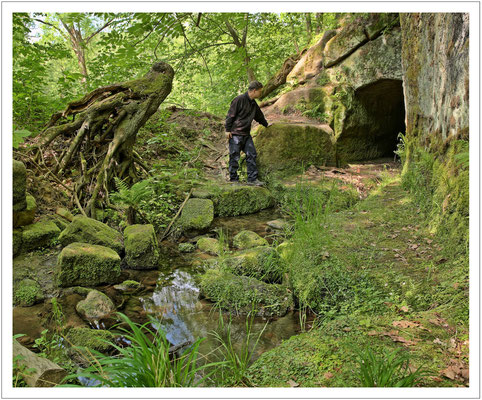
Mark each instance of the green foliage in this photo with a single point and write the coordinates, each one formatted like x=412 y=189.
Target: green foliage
x=235 y=357
x=131 y=196
x=145 y=362
x=20 y=370
x=19 y=136
x=388 y=370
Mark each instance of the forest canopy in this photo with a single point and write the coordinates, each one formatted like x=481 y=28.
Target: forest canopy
x=58 y=57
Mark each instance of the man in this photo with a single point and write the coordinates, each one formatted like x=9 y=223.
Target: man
x=238 y=126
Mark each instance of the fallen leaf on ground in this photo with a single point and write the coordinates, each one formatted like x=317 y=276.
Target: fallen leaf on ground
x=405 y=324
x=372 y=333
x=292 y=383
x=437 y=341
x=328 y=375
x=404 y=309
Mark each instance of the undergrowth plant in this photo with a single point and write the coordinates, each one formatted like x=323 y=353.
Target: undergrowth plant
x=235 y=356
x=390 y=370
x=146 y=362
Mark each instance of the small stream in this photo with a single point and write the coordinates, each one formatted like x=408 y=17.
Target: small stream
x=184 y=317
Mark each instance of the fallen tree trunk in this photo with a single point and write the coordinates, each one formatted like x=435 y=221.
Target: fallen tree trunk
x=102 y=127
x=37 y=371
x=280 y=77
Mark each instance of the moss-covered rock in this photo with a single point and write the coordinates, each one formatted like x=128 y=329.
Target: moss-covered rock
x=25 y=217
x=259 y=262
x=278 y=224
x=186 y=247
x=209 y=245
x=141 y=247
x=286 y=146
x=128 y=286
x=248 y=239
x=231 y=201
x=40 y=234
x=95 y=306
x=242 y=294
x=16 y=242
x=303 y=99
x=94 y=339
x=83 y=264
x=197 y=214
x=58 y=220
x=87 y=230
x=27 y=292
x=19 y=186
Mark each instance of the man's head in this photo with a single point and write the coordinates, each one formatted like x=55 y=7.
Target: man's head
x=255 y=89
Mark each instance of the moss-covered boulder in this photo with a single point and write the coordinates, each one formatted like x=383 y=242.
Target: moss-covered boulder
x=247 y=239
x=87 y=230
x=231 y=201
x=141 y=247
x=95 y=306
x=84 y=264
x=58 y=220
x=40 y=234
x=19 y=186
x=259 y=262
x=242 y=294
x=94 y=339
x=209 y=245
x=197 y=214
x=64 y=213
x=186 y=247
x=25 y=217
x=287 y=146
x=27 y=292
x=16 y=242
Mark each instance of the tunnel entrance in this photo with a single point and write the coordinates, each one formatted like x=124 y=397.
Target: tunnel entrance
x=373 y=122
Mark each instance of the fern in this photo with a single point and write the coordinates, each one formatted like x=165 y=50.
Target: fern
x=131 y=196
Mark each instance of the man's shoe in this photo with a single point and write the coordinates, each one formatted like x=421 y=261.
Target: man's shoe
x=256 y=183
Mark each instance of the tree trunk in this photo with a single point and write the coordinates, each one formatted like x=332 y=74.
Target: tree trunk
x=309 y=29
x=78 y=46
x=104 y=131
x=241 y=44
x=319 y=22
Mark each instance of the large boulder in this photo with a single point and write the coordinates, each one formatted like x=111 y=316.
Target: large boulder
x=84 y=264
x=286 y=146
x=243 y=295
x=259 y=262
x=95 y=306
x=247 y=239
x=197 y=214
x=231 y=201
x=87 y=230
x=26 y=216
x=27 y=292
x=38 y=235
x=19 y=186
x=141 y=247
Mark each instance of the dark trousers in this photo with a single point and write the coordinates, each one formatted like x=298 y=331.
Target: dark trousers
x=244 y=143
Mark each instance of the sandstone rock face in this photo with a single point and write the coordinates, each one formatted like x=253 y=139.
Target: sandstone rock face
x=142 y=249
x=88 y=230
x=19 y=186
x=435 y=59
x=84 y=264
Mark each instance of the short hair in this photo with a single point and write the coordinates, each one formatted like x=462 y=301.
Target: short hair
x=255 y=85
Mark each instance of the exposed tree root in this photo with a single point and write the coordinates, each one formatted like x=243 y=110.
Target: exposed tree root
x=92 y=140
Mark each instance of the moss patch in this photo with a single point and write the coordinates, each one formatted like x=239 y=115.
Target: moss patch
x=38 y=235
x=26 y=293
x=209 y=245
x=242 y=294
x=95 y=339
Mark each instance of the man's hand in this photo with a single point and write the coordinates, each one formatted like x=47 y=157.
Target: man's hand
x=229 y=135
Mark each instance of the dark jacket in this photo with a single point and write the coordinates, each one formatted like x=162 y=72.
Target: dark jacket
x=241 y=113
